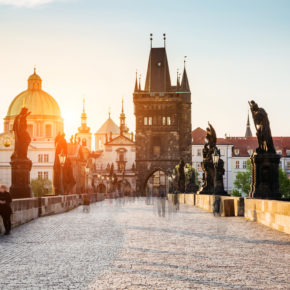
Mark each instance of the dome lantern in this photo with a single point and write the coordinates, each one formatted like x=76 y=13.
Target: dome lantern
x=34 y=81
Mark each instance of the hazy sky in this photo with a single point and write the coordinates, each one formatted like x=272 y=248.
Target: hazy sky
x=237 y=50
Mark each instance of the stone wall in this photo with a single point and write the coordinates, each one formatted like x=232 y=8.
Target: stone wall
x=27 y=209
x=229 y=206
x=272 y=213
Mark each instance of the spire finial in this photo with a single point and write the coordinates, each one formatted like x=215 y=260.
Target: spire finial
x=164 y=39
x=185 y=57
x=122 y=104
x=109 y=112
x=151 y=38
x=34 y=69
x=84 y=101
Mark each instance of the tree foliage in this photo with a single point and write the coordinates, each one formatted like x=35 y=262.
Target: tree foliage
x=284 y=184
x=41 y=186
x=242 y=184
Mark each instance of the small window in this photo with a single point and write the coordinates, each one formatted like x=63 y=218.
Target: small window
x=250 y=151
x=40 y=158
x=168 y=121
x=45 y=158
x=156 y=151
x=40 y=175
x=237 y=164
x=149 y=121
x=288 y=165
x=244 y=164
x=198 y=152
x=279 y=152
x=145 y=121
x=45 y=175
x=237 y=151
x=288 y=152
x=163 y=121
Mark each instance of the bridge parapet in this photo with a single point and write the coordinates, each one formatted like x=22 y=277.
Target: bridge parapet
x=27 y=209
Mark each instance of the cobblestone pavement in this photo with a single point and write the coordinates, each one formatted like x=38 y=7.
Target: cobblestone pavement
x=128 y=246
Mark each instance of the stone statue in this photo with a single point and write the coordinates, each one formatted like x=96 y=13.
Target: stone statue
x=60 y=148
x=20 y=164
x=264 y=162
x=212 y=173
x=262 y=125
x=181 y=176
x=22 y=137
x=191 y=186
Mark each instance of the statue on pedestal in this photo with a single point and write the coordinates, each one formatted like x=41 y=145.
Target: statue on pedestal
x=20 y=164
x=212 y=172
x=264 y=162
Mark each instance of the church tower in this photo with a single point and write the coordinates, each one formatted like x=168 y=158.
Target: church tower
x=84 y=131
x=163 y=119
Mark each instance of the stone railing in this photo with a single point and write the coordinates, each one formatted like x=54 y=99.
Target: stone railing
x=27 y=209
x=229 y=205
x=271 y=213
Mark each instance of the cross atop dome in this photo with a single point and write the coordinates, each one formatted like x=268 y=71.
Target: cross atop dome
x=34 y=81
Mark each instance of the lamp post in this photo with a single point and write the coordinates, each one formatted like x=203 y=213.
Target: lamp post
x=215 y=159
x=62 y=159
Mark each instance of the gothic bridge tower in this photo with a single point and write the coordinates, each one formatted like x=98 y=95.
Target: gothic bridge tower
x=163 y=119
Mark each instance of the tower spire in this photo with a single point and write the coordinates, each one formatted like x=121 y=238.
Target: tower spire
x=248 y=129
x=151 y=38
x=122 y=119
x=164 y=39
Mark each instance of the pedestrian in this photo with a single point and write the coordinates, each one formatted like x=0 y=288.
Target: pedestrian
x=5 y=208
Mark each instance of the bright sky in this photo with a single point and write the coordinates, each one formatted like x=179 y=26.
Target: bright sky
x=237 y=50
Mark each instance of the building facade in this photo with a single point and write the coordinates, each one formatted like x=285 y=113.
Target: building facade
x=163 y=120
x=43 y=124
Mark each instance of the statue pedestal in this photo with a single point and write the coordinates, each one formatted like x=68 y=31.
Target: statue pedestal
x=265 y=176
x=20 y=177
x=208 y=180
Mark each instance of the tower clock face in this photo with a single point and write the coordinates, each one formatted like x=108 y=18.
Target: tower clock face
x=159 y=63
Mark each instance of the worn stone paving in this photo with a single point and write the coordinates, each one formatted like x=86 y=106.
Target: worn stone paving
x=128 y=246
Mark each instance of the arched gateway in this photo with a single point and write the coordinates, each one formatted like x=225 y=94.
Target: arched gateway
x=156 y=184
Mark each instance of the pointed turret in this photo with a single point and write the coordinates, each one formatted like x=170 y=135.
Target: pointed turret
x=248 y=130
x=184 y=82
x=136 y=84
x=177 y=80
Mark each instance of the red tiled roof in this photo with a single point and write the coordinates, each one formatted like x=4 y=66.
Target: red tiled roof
x=244 y=144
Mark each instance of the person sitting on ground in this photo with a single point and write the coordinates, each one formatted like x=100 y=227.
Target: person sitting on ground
x=5 y=208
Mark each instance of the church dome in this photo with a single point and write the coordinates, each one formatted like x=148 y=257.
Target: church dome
x=38 y=102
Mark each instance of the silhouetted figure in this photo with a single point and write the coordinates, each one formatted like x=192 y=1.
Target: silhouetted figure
x=5 y=208
x=21 y=135
x=262 y=125
x=181 y=176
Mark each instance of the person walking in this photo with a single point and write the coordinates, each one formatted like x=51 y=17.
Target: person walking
x=5 y=208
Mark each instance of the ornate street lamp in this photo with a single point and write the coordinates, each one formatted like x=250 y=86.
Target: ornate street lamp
x=62 y=158
x=215 y=159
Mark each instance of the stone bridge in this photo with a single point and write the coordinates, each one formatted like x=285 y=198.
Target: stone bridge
x=125 y=244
